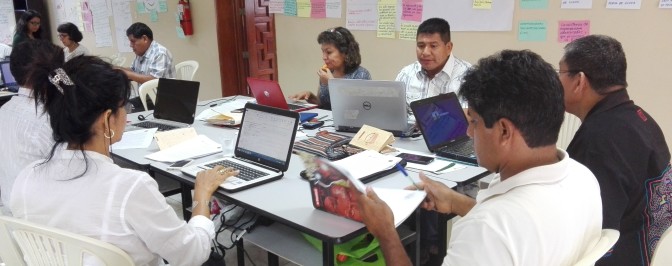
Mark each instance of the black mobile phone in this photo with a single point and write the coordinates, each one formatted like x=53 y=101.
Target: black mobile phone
x=415 y=158
x=179 y=164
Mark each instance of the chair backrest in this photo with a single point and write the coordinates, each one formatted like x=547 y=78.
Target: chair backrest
x=604 y=244
x=186 y=70
x=569 y=127
x=663 y=253
x=148 y=88
x=119 y=61
x=28 y=243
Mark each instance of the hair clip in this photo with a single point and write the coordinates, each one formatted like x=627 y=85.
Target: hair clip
x=60 y=76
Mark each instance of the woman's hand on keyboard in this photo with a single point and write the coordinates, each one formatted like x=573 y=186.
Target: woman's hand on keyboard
x=208 y=181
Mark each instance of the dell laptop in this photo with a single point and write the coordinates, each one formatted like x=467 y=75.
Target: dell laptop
x=263 y=149
x=175 y=105
x=8 y=80
x=268 y=92
x=380 y=104
x=444 y=126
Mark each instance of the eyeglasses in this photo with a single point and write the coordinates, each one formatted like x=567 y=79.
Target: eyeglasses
x=62 y=35
x=34 y=23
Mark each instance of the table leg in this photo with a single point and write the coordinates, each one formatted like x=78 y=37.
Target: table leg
x=240 y=251
x=327 y=253
x=273 y=259
x=418 y=228
x=186 y=201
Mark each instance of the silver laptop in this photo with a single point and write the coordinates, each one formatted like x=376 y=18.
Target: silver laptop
x=175 y=105
x=381 y=104
x=262 y=151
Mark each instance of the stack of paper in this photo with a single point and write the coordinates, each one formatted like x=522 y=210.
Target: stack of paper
x=192 y=148
x=367 y=163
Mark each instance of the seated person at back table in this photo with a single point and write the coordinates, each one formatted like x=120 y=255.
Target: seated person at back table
x=70 y=36
x=152 y=60
x=26 y=135
x=623 y=146
x=340 y=52
x=79 y=189
x=542 y=207
x=437 y=70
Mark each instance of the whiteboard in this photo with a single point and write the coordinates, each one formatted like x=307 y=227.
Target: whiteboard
x=462 y=17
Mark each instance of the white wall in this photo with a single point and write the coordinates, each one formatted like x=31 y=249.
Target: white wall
x=202 y=46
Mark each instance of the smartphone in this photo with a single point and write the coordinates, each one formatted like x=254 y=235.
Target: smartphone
x=179 y=164
x=415 y=158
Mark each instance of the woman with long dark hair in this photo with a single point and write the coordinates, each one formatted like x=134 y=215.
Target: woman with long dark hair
x=28 y=27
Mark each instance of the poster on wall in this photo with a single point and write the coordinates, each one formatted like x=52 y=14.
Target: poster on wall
x=7 y=20
x=121 y=10
x=463 y=16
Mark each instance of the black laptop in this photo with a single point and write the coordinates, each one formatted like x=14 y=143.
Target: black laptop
x=444 y=126
x=175 y=105
x=8 y=80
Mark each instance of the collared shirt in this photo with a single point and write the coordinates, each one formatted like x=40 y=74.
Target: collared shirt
x=420 y=86
x=546 y=215
x=120 y=206
x=156 y=62
x=26 y=137
x=626 y=150
x=80 y=50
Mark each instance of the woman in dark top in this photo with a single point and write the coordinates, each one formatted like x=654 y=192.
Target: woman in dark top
x=28 y=27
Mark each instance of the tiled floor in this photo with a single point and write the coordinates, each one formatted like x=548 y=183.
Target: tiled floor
x=256 y=256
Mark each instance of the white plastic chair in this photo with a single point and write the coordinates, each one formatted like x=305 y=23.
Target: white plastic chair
x=604 y=244
x=28 y=243
x=662 y=255
x=569 y=127
x=186 y=70
x=148 y=88
x=118 y=61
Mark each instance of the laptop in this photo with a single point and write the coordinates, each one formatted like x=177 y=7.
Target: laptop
x=8 y=80
x=268 y=92
x=263 y=149
x=444 y=126
x=380 y=104
x=175 y=105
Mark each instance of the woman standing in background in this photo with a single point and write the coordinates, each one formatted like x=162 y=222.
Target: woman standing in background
x=28 y=27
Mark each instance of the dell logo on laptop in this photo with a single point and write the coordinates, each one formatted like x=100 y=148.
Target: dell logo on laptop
x=366 y=105
x=267 y=94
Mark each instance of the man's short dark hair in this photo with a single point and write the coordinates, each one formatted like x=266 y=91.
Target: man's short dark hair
x=71 y=30
x=600 y=58
x=138 y=29
x=25 y=53
x=435 y=25
x=519 y=86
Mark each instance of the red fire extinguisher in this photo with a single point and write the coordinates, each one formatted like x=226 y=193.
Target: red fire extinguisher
x=184 y=11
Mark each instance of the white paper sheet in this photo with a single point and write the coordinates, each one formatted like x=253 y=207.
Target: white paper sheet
x=221 y=109
x=101 y=23
x=367 y=163
x=121 y=11
x=576 y=4
x=7 y=20
x=192 y=148
x=361 y=15
x=137 y=139
x=402 y=202
x=619 y=4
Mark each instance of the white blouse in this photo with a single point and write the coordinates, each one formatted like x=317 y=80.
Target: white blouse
x=80 y=50
x=120 y=206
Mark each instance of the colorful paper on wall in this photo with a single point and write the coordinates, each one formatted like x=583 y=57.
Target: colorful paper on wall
x=408 y=31
x=87 y=17
x=569 y=30
x=624 y=4
x=534 y=4
x=576 y=4
x=532 y=30
x=411 y=10
x=290 y=8
x=387 y=19
x=163 y=6
x=303 y=8
x=318 y=8
x=482 y=4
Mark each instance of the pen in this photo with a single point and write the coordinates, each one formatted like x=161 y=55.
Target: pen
x=322 y=117
x=403 y=171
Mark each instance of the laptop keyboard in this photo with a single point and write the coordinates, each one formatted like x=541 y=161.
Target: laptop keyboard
x=293 y=107
x=464 y=148
x=149 y=124
x=246 y=173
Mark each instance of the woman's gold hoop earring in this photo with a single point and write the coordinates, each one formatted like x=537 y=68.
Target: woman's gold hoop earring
x=109 y=137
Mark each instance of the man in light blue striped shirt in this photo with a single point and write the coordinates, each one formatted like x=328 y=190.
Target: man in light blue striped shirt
x=152 y=60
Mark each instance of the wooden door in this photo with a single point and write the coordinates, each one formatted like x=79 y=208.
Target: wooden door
x=260 y=27
x=246 y=43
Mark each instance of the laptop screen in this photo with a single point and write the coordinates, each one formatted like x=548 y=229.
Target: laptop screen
x=7 y=77
x=441 y=119
x=176 y=100
x=267 y=135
